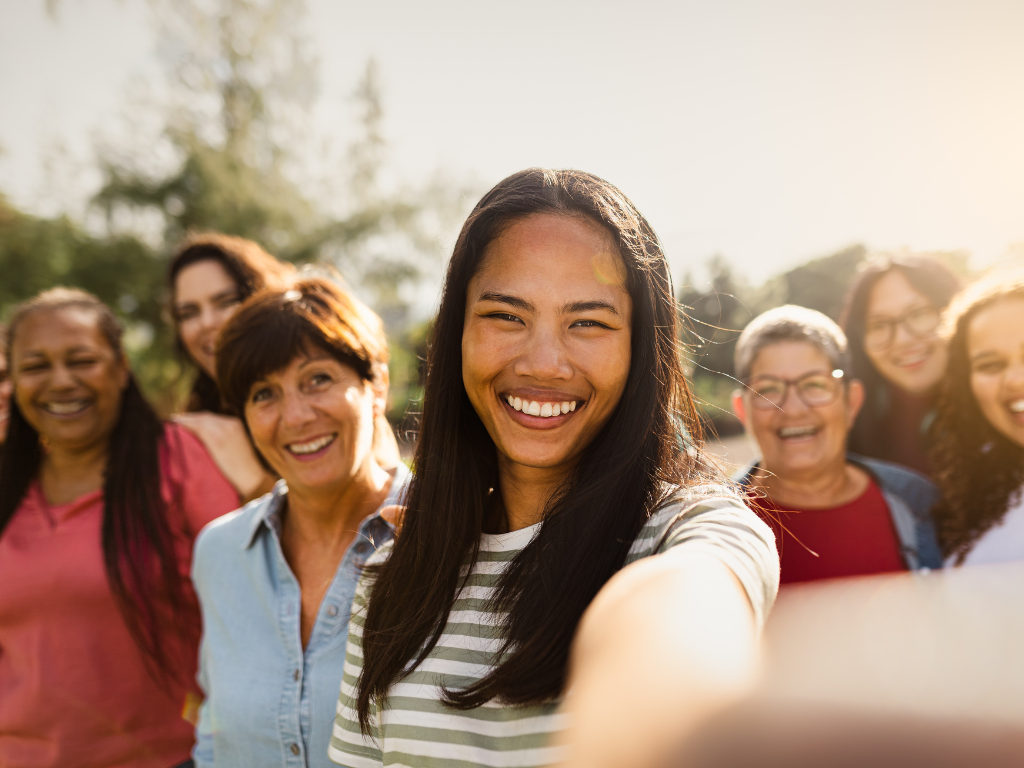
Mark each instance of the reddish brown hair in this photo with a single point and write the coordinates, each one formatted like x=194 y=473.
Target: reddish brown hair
x=274 y=326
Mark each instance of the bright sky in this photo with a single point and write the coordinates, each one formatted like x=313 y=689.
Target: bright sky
x=769 y=132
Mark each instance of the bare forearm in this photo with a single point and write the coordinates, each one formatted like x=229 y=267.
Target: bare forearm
x=667 y=643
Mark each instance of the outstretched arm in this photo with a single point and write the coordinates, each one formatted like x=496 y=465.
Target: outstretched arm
x=669 y=641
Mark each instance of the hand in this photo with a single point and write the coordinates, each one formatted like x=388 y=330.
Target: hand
x=229 y=446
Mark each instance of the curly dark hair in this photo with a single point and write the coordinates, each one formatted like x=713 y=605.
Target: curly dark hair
x=978 y=469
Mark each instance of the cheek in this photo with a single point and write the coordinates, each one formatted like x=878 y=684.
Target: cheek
x=985 y=390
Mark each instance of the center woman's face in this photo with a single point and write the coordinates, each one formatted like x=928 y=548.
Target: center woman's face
x=546 y=339
x=313 y=422
x=205 y=298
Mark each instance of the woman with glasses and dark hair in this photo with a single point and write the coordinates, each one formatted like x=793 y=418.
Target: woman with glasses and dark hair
x=978 y=455
x=559 y=533
x=891 y=318
x=100 y=502
x=834 y=514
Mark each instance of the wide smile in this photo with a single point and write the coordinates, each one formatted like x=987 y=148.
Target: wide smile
x=539 y=412
x=801 y=434
x=913 y=360
x=310 y=450
x=66 y=410
x=1016 y=409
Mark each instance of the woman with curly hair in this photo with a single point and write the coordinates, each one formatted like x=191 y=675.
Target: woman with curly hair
x=978 y=454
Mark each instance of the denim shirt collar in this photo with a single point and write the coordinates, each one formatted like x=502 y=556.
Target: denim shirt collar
x=269 y=516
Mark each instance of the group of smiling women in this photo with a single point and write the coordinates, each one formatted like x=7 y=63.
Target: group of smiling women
x=563 y=578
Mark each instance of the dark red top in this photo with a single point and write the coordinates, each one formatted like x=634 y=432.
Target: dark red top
x=854 y=539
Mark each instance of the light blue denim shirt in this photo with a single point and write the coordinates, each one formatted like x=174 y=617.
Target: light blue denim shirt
x=268 y=703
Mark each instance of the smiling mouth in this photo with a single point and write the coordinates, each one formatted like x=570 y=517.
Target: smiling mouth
x=545 y=410
x=797 y=433
x=909 y=361
x=313 y=446
x=1016 y=406
x=71 y=408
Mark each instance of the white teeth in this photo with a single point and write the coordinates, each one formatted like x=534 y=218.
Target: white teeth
x=1017 y=406
x=544 y=410
x=62 y=409
x=311 y=447
x=797 y=431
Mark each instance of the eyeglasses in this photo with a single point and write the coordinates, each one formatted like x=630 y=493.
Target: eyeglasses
x=815 y=389
x=918 y=321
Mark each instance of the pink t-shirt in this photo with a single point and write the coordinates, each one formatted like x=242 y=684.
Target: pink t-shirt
x=74 y=686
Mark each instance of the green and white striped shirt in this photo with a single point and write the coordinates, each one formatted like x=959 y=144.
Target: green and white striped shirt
x=416 y=729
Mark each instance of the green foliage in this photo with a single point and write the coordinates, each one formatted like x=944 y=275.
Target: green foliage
x=37 y=253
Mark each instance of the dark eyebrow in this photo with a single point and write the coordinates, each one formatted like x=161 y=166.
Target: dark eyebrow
x=504 y=298
x=588 y=306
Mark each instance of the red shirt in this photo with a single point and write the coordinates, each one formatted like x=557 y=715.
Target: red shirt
x=854 y=539
x=74 y=690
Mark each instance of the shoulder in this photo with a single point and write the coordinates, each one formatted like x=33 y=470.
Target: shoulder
x=713 y=519
x=225 y=539
x=908 y=484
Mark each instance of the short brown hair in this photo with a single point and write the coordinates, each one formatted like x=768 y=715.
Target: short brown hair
x=275 y=325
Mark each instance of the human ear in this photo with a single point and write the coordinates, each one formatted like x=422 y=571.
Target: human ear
x=739 y=408
x=380 y=390
x=854 y=401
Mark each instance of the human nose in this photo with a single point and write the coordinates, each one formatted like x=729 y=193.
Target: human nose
x=295 y=410
x=1014 y=378
x=545 y=356
x=61 y=377
x=791 y=400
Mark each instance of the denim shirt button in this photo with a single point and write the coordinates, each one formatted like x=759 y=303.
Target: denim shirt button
x=362 y=547
x=297 y=675
x=295 y=748
x=332 y=610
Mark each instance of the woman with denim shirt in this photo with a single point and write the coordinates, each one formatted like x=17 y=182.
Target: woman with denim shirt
x=306 y=368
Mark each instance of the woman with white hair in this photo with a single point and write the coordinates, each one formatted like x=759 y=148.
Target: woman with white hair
x=834 y=514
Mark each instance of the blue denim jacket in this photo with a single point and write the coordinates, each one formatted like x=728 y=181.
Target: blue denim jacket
x=910 y=497
x=268 y=703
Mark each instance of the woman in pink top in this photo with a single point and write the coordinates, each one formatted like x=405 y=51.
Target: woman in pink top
x=99 y=505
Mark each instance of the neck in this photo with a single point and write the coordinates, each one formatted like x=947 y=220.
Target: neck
x=828 y=486
x=334 y=515
x=67 y=473
x=525 y=491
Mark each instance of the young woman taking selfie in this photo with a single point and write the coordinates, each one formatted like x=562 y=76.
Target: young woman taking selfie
x=562 y=530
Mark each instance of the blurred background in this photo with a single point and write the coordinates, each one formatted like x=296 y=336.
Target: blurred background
x=771 y=145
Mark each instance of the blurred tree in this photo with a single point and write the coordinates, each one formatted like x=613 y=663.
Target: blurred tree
x=38 y=253
x=241 y=83
x=713 y=320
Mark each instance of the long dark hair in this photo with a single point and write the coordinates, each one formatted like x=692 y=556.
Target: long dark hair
x=932 y=279
x=650 y=446
x=138 y=544
x=976 y=467
x=252 y=269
